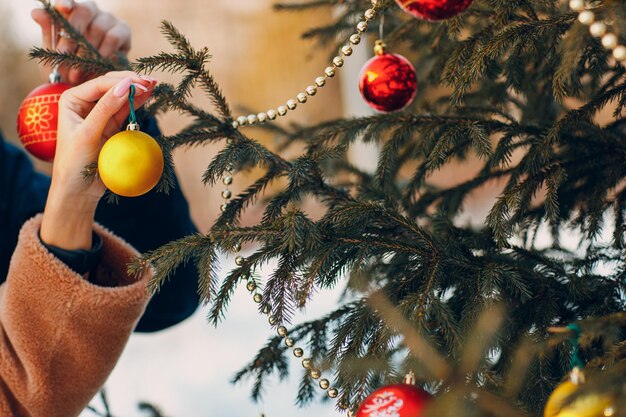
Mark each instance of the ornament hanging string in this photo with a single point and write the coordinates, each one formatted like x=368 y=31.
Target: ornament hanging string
x=54 y=77
x=132 y=117
x=576 y=362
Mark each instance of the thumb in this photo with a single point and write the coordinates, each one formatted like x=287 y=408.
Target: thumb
x=110 y=95
x=107 y=107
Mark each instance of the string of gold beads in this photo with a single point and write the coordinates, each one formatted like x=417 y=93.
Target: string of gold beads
x=598 y=29
x=319 y=82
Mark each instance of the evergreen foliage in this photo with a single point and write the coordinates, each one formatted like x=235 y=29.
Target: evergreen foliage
x=517 y=84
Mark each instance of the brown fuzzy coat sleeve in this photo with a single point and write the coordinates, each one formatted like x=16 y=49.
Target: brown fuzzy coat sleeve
x=60 y=335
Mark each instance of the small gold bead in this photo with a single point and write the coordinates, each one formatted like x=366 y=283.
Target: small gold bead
x=311 y=90
x=338 y=61
x=370 y=14
x=324 y=383
x=282 y=331
x=298 y=352
x=252 y=119
x=361 y=26
x=262 y=117
x=223 y=207
x=315 y=374
x=346 y=50
x=333 y=393
x=320 y=81
x=329 y=71
x=230 y=141
x=301 y=97
x=227 y=180
x=619 y=52
x=289 y=342
x=343 y=405
x=271 y=114
x=292 y=104
x=282 y=110
x=257 y=298
x=265 y=309
x=251 y=286
x=226 y=194
x=351 y=413
x=355 y=39
x=307 y=363
x=586 y=17
x=577 y=5
x=609 y=41
x=237 y=247
x=597 y=29
x=239 y=260
x=235 y=124
x=272 y=320
x=242 y=120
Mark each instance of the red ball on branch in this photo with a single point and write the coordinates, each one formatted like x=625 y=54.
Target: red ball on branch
x=37 y=120
x=401 y=400
x=388 y=82
x=434 y=9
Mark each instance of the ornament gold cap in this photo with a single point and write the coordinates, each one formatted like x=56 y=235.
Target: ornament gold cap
x=577 y=376
x=54 y=77
x=132 y=126
x=380 y=48
x=409 y=378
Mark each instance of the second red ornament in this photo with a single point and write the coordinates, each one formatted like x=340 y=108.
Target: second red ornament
x=38 y=118
x=387 y=82
x=400 y=400
x=434 y=9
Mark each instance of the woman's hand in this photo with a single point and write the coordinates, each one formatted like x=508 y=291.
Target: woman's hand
x=88 y=115
x=108 y=34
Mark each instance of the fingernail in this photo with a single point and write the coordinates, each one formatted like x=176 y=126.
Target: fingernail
x=146 y=78
x=121 y=89
x=66 y=4
x=141 y=87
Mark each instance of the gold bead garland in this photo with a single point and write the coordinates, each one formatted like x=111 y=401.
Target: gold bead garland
x=319 y=82
x=598 y=29
x=227 y=180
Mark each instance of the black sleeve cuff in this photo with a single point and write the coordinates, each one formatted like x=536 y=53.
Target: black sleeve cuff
x=80 y=261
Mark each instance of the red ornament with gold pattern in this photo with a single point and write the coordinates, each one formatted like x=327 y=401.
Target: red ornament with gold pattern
x=37 y=118
x=434 y=9
x=388 y=81
x=401 y=400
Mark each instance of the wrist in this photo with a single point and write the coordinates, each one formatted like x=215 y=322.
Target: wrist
x=68 y=222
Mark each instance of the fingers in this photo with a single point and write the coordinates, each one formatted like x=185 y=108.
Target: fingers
x=117 y=39
x=64 y=6
x=80 y=17
x=111 y=94
x=43 y=20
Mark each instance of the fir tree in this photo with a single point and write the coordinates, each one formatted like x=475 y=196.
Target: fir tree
x=473 y=304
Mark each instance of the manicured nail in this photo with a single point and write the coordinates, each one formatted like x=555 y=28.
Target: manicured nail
x=141 y=87
x=149 y=79
x=66 y=4
x=121 y=89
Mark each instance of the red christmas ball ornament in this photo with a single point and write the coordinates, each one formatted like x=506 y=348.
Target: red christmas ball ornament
x=434 y=9
x=399 y=400
x=388 y=82
x=37 y=119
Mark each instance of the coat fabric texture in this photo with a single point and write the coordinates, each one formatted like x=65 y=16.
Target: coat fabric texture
x=60 y=334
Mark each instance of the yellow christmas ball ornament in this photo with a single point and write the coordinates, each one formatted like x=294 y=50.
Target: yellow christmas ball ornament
x=130 y=163
x=591 y=405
